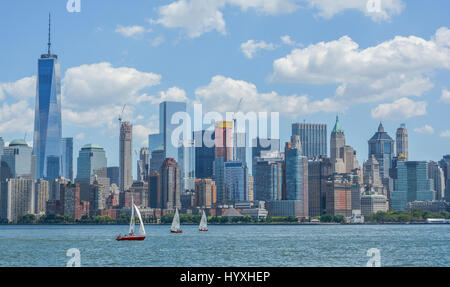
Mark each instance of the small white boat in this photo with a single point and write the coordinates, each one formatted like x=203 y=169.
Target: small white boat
x=131 y=235
x=176 y=228
x=203 y=223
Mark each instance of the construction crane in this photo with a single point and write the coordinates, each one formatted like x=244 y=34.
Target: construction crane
x=121 y=113
x=235 y=129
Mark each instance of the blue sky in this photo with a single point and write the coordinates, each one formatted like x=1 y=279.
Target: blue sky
x=391 y=65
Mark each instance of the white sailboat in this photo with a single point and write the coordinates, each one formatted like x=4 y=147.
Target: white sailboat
x=176 y=228
x=131 y=235
x=203 y=223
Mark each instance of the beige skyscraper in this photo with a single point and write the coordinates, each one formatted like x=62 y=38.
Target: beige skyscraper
x=125 y=156
x=402 y=141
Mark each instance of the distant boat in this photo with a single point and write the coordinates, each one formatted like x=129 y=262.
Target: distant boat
x=203 y=223
x=176 y=228
x=131 y=235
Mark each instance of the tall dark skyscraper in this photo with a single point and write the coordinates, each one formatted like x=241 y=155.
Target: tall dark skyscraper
x=47 y=122
x=204 y=154
x=381 y=145
x=313 y=138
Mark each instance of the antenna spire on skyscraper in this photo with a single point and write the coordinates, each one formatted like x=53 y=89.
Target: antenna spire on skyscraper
x=49 y=42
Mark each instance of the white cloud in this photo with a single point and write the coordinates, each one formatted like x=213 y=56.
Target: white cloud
x=379 y=10
x=101 y=84
x=141 y=132
x=157 y=41
x=130 y=31
x=201 y=16
x=445 y=134
x=403 y=108
x=286 y=39
x=24 y=88
x=17 y=117
x=392 y=69
x=445 y=98
x=250 y=47
x=426 y=129
x=196 y=16
x=80 y=136
x=222 y=95
x=172 y=94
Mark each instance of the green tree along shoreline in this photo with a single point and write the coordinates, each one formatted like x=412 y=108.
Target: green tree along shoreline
x=376 y=218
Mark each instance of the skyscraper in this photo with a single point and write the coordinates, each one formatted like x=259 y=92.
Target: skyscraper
x=268 y=178
x=166 y=112
x=296 y=176
x=402 y=141
x=125 y=156
x=319 y=171
x=411 y=184
x=113 y=174
x=337 y=142
x=17 y=198
x=157 y=159
x=240 y=147
x=67 y=158
x=262 y=147
x=91 y=161
x=154 y=190
x=436 y=173
x=235 y=181
x=170 y=184
x=371 y=176
x=186 y=161
x=42 y=195
x=313 y=138
x=223 y=152
x=205 y=190
x=445 y=165
x=47 y=122
x=381 y=145
x=2 y=146
x=143 y=164
x=204 y=153
x=17 y=160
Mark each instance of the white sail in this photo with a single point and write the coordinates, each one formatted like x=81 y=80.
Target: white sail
x=132 y=221
x=141 y=228
x=176 y=221
x=203 y=222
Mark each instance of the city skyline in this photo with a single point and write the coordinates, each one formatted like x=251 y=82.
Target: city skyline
x=153 y=82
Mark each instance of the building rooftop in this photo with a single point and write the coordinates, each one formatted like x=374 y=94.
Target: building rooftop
x=92 y=146
x=18 y=142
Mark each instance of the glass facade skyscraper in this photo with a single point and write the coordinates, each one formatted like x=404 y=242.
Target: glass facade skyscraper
x=17 y=160
x=47 y=122
x=166 y=111
x=313 y=138
x=91 y=161
x=204 y=154
x=235 y=181
x=411 y=184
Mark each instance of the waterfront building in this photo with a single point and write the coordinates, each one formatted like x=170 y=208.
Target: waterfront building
x=313 y=138
x=444 y=163
x=125 y=155
x=431 y=206
x=319 y=171
x=16 y=198
x=296 y=174
x=339 y=196
x=47 y=122
x=268 y=175
x=436 y=173
x=67 y=158
x=285 y=208
x=205 y=190
x=141 y=188
x=42 y=195
x=17 y=160
x=372 y=203
x=170 y=184
x=411 y=184
x=235 y=181
x=154 y=190
x=402 y=141
x=251 y=184
x=70 y=201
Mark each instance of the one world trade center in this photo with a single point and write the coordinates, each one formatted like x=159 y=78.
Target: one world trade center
x=47 y=121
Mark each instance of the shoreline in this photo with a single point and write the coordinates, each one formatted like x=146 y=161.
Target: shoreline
x=228 y=224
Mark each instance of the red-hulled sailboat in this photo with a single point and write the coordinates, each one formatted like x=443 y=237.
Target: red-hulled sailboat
x=131 y=236
x=176 y=228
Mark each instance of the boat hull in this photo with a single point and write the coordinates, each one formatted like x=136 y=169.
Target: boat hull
x=203 y=230
x=176 y=231
x=130 y=238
